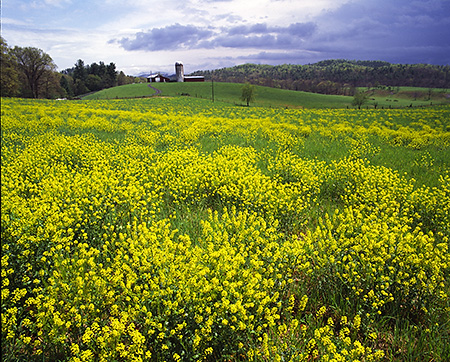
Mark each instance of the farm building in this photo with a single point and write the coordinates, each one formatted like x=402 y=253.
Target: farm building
x=157 y=78
x=194 y=78
x=179 y=70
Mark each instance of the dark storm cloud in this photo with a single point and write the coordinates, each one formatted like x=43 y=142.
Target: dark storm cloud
x=397 y=31
x=169 y=37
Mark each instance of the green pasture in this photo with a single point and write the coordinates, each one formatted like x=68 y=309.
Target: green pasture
x=123 y=91
x=272 y=97
x=228 y=93
x=264 y=96
x=399 y=97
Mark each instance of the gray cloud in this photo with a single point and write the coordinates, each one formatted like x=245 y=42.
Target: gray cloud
x=283 y=57
x=296 y=29
x=228 y=17
x=396 y=31
x=246 y=29
x=169 y=37
x=401 y=31
x=302 y=29
x=262 y=36
x=242 y=36
x=255 y=41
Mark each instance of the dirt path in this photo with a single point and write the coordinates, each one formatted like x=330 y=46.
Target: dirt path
x=157 y=91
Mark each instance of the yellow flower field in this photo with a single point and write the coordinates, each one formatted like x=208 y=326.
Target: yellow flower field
x=176 y=230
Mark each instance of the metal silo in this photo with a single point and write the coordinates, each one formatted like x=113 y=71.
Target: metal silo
x=179 y=71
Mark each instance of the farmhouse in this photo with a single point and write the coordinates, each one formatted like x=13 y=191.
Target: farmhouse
x=157 y=78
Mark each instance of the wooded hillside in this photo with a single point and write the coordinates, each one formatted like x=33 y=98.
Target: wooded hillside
x=335 y=76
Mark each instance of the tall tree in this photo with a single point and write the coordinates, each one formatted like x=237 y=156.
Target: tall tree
x=101 y=70
x=80 y=72
x=50 y=86
x=66 y=85
x=9 y=76
x=35 y=65
x=123 y=79
x=111 y=75
x=80 y=87
x=94 y=83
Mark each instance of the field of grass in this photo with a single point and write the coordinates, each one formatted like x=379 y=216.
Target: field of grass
x=228 y=93
x=407 y=96
x=123 y=91
x=271 y=97
x=264 y=96
x=177 y=229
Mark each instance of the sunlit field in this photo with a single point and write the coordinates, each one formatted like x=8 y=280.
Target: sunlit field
x=174 y=229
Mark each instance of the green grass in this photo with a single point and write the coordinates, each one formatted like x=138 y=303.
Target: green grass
x=264 y=96
x=398 y=97
x=123 y=91
x=229 y=93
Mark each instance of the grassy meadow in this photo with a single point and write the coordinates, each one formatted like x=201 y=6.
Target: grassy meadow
x=399 y=97
x=177 y=229
x=225 y=93
x=124 y=91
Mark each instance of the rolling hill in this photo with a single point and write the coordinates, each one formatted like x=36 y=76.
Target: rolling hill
x=334 y=76
x=273 y=97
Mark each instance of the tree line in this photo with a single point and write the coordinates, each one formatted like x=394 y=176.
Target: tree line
x=338 y=76
x=29 y=72
x=82 y=79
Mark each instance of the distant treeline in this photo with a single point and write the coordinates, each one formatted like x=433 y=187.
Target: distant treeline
x=334 y=76
x=29 y=72
x=82 y=79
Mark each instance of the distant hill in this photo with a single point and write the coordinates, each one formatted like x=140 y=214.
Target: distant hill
x=338 y=76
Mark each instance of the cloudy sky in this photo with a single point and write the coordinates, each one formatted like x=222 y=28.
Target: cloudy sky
x=151 y=35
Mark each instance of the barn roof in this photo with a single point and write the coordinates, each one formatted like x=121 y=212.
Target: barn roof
x=156 y=75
